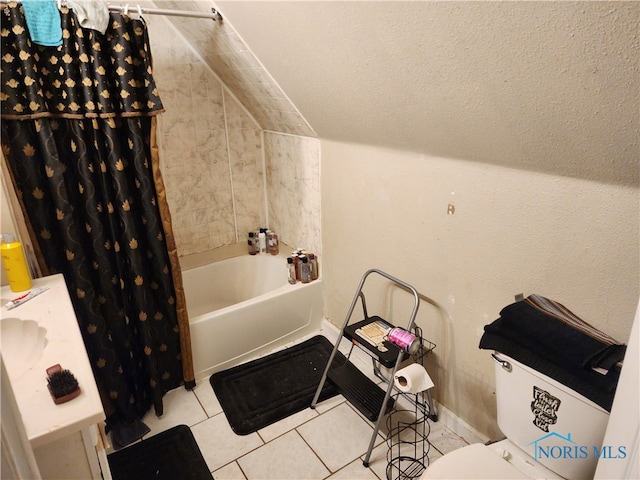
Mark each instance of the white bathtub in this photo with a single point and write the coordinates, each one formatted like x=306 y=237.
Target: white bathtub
x=243 y=307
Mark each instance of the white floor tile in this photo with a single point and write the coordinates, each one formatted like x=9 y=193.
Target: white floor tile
x=445 y=440
x=327 y=443
x=229 y=472
x=434 y=454
x=283 y=426
x=181 y=407
x=219 y=444
x=329 y=403
x=207 y=398
x=378 y=460
x=354 y=471
x=286 y=457
x=338 y=436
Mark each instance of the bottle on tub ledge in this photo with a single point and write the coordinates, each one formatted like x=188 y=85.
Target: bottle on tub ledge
x=313 y=260
x=263 y=240
x=291 y=271
x=302 y=265
x=252 y=243
x=305 y=270
x=272 y=243
x=300 y=255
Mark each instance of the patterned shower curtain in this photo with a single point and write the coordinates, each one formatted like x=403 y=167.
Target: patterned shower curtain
x=78 y=134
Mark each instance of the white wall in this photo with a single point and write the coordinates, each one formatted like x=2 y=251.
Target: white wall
x=513 y=231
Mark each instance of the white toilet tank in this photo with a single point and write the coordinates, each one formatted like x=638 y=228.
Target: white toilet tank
x=553 y=424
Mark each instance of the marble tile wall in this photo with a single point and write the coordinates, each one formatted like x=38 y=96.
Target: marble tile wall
x=210 y=148
x=293 y=189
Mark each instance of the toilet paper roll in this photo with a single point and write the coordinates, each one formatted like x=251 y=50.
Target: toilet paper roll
x=412 y=379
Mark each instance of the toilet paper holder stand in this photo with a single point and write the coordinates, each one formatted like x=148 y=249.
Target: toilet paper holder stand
x=407 y=439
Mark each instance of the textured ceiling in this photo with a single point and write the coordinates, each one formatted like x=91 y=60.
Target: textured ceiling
x=543 y=86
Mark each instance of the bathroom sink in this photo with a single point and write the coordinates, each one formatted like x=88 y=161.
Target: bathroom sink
x=35 y=336
x=21 y=343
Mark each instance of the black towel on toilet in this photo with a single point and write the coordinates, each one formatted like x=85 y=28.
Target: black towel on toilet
x=548 y=337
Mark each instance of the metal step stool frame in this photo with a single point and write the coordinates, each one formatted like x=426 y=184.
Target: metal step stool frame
x=390 y=384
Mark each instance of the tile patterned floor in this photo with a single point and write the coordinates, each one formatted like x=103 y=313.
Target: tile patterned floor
x=329 y=442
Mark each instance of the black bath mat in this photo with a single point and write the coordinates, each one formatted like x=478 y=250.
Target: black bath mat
x=169 y=455
x=263 y=391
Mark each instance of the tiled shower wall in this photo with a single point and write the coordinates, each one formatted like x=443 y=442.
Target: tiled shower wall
x=210 y=149
x=293 y=189
x=212 y=158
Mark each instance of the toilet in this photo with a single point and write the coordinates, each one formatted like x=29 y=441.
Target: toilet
x=551 y=432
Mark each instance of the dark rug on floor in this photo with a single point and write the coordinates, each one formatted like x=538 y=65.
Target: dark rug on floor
x=263 y=391
x=169 y=455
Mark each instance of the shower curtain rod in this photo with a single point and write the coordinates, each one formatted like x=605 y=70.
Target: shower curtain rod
x=214 y=15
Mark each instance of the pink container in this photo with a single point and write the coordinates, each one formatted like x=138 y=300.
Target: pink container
x=405 y=340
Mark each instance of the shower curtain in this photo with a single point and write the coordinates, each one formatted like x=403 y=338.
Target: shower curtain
x=79 y=137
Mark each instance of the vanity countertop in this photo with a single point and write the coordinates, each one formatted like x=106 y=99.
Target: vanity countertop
x=45 y=421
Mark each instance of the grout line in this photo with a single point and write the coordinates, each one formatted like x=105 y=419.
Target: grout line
x=264 y=179
x=314 y=452
x=201 y=405
x=230 y=163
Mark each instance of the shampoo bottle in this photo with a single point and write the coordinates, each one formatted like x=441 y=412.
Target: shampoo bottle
x=291 y=271
x=272 y=243
x=262 y=240
x=14 y=263
x=313 y=260
x=305 y=270
x=252 y=243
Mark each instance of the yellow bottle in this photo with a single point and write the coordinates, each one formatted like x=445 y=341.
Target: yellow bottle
x=14 y=263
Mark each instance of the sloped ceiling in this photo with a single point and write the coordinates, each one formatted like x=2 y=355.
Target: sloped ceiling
x=543 y=86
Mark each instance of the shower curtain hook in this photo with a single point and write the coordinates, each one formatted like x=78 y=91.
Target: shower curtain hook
x=125 y=11
x=140 y=13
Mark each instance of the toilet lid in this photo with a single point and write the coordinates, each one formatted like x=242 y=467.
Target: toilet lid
x=475 y=461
